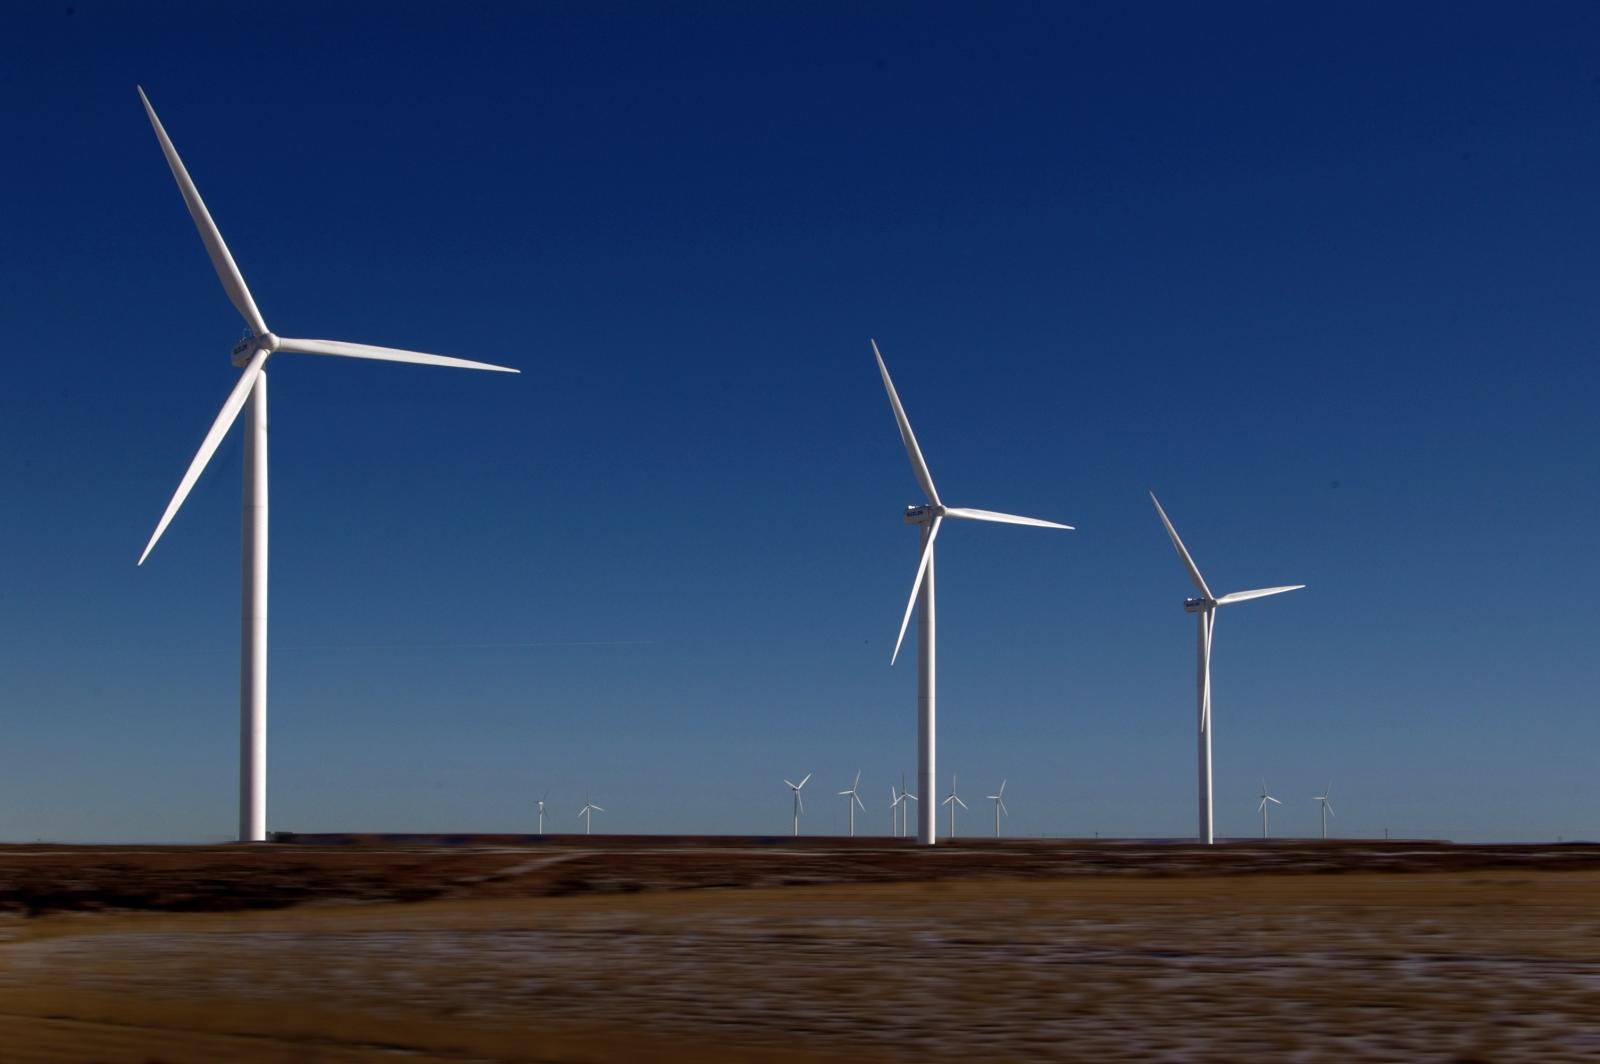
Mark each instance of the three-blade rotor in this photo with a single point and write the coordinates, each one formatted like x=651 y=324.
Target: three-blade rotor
x=932 y=516
x=263 y=344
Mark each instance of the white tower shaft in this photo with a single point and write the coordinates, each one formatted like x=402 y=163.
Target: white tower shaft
x=253 y=624
x=1203 y=696
x=927 y=831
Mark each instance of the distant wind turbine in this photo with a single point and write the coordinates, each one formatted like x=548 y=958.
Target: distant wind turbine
x=1327 y=807
x=895 y=799
x=952 y=801
x=929 y=518
x=250 y=355
x=998 y=798
x=541 y=811
x=799 y=803
x=1265 y=798
x=855 y=800
x=589 y=808
x=1204 y=608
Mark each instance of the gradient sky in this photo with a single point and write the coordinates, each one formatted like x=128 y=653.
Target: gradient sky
x=1325 y=281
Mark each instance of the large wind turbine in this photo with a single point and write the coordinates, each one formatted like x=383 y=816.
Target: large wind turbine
x=928 y=518
x=251 y=355
x=855 y=800
x=1204 y=608
x=999 y=800
x=1327 y=807
x=799 y=802
x=1265 y=798
x=952 y=800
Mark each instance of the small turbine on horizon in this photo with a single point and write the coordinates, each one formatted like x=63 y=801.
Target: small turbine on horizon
x=1205 y=608
x=855 y=800
x=929 y=518
x=799 y=803
x=541 y=811
x=952 y=800
x=1265 y=798
x=1327 y=807
x=998 y=798
x=589 y=808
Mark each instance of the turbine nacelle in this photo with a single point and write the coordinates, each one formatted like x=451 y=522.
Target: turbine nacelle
x=1196 y=605
x=246 y=349
x=923 y=515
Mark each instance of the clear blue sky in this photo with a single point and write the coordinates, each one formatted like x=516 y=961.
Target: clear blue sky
x=1325 y=281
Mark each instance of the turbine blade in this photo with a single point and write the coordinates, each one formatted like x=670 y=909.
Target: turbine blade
x=909 y=438
x=221 y=261
x=599 y=809
x=1003 y=808
x=1273 y=800
x=1002 y=787
x=219 y=428
x=1246 y=596
x=790 y=785
x=916 y=586
x=857 y=798
x=857 y=783
x=343 y=349
x=802 y=783
x=1183 y=552
x=1211 y=624
x=1329 y=807
x=1004 y=519
x=959 y=802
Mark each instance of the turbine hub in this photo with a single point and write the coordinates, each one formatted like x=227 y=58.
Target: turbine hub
x=246 y=349
x=922 y=515
x=1196 y=605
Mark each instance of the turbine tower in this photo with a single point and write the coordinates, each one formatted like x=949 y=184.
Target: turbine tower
x=799 y=803
x=999 y=800
x=541 y=813
x=855 y=800
x=928 y=518
x=1327 y=807
x=895 y=798
x=952 y=801
x=250 y=355
x=587 y=812
x=1265 y=798
x=1204 y=608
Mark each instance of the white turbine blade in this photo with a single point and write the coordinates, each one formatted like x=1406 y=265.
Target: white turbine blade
x=959 y=802
x=1002 y=788
x=1328 y=806
x=343 y=349
x=857 y=799
x=1183 y=552
x=791 y=786
x=1262 y=806
x=948 y=800
x=221 y=260
x=802 y=783
x=842 y=793
x=918 y=466
x=1211 y=624
x=219 y=428
x=799 y=802
x=598 y=808
x=1273 y=800
x=857 y=783
x=1004 y=519
x=1003 y=808
x=916 y=586
x=1245 y=596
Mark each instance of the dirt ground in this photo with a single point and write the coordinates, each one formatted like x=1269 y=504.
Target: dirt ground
x=727 y=950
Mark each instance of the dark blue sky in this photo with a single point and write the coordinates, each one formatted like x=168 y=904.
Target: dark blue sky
x=1325 y=281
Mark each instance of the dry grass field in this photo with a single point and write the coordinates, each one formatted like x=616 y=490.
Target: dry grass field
x=726 y=950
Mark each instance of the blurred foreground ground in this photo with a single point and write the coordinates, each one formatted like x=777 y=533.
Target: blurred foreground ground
x=723 y=950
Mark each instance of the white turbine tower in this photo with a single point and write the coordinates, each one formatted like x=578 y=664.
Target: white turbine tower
x=855 y=800
x=587 y=812
x=999 y=800
x=1204 y=608
x=952 y=801
x=906 y=798
x=541 y=812
x=928 y=518
x=1327 y=807
x=251 y=355
x=799 y=803
x=1265 y=798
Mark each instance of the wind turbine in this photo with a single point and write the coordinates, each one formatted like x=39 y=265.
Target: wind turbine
x=799 y=803
x=1265 y=798
x=1204 y=608
x=1327 y=807
x=587 y=812
x=952 y=801
x=928 y=518
x=541 y=812
x=998 y=798
x=906 y=798
x=855 y=800
x=250 y=355
x=895 y=798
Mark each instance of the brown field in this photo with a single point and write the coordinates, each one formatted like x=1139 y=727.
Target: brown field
x=613 y=949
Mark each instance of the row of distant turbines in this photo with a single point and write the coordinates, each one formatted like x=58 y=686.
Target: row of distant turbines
x=251 y=356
